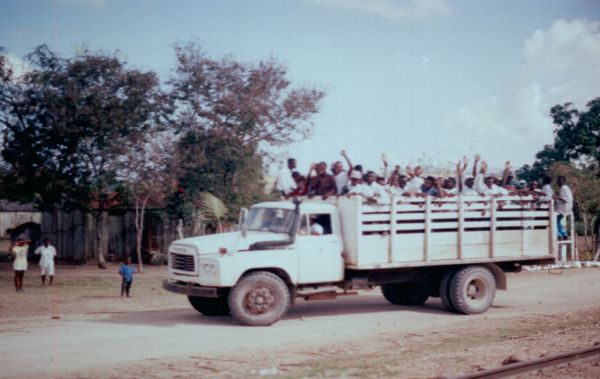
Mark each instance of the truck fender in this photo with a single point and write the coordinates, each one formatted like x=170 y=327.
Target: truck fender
x=498 y=274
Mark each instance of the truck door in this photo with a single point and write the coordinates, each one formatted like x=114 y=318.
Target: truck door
x=319 y=250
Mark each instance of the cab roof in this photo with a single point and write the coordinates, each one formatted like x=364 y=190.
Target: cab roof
x=307 y=206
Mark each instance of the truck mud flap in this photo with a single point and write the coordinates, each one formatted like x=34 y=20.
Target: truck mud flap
x=191 y=290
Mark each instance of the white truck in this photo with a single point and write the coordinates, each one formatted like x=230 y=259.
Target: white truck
x=456 y=248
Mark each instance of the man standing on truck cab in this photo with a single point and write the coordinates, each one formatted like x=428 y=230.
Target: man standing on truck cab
x=285 y=182
x=322 y=184
x=340 y=176
x=564 y=206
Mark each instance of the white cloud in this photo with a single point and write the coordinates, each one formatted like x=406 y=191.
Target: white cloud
x=399 y=10
x=559 y=65
x=83 y=3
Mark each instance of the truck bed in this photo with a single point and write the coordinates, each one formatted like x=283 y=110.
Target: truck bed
x=413 y=232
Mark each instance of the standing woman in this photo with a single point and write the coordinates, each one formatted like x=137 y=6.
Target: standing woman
x=20 y=263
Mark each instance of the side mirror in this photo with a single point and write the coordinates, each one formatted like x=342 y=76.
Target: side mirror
x=242 y=221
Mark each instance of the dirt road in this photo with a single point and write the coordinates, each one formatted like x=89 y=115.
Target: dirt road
x=80 y=327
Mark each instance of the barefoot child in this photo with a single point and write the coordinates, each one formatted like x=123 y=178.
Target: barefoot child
x=126 y=272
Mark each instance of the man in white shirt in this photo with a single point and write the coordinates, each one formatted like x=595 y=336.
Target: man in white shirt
x=547 y=191
x=340 y=176
x=396 y=186
x=353 y=187
x=468 y=189
x=415 y=182
x=285 y=182
x=564 y=206
x=47 y=252
x=491 y=189
x=371 y=191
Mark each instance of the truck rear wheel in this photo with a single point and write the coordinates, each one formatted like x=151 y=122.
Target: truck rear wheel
x=445 y=291
x=472 y=290
x=259 y=299
x=209 y=306
x=405 y=293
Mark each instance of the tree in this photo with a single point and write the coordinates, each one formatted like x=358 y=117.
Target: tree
x=148 y=167
x=576 y=140
x=64 y=123
x=227 y=114
x=213 y=209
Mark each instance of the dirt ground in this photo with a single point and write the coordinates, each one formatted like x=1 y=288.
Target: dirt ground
x=81 y=328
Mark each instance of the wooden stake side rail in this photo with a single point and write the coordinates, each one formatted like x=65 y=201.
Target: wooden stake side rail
x=426 y=230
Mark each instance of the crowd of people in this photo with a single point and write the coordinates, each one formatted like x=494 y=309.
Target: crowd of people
x=380 y=189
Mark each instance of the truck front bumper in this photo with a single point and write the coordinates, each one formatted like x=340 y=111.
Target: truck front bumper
x=190 y=289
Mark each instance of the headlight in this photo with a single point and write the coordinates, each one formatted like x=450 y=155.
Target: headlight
x=208 y=268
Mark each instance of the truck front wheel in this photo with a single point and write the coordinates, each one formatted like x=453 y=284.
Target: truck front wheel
x=405 y=293
x=259 y=299
x=210 y=306
x=472 y=290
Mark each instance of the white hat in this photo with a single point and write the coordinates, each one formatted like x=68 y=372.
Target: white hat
x=356 y=175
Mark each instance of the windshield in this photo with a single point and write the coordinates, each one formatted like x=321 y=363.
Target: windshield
x=270 y=220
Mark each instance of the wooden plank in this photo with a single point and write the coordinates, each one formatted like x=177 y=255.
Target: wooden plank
x=522 y=213
x=365 y=208
x=461 y=228
x=492 y=226
x=393 y=225
x=553 y=232
x=376 y=217
x=427 y=229
x=410 y=216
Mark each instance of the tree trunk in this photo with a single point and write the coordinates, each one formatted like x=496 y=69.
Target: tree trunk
x=99 y=217
x=180 y=228
x=140 y=208
x=598 y=245
x=594 y=235
x=586 y=226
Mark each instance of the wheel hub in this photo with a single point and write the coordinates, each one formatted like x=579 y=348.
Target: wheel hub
x=472 y=290
x=259 y=300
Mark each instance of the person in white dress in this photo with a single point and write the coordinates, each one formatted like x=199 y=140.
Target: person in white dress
x=47 y=252
x=19 y=251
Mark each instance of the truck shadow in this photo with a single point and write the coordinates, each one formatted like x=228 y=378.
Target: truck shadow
x=301 y=310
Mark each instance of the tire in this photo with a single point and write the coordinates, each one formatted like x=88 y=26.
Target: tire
x=259 y=299
x=472 y=290
x=445 y=291
x=209 y=306
x=405 y=293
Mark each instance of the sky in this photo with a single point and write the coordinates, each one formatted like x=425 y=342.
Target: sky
x=423 y=81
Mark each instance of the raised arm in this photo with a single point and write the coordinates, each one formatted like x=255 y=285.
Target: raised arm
x=475 y=161
x=385 y=166
x=505 y=173
x=459 y=174
x=350 y=166
x=310 y=170
x=409 y=172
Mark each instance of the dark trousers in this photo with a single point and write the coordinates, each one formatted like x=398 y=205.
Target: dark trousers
x=125 y=286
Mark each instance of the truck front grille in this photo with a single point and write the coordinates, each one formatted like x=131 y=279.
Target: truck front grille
x=182 y=262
